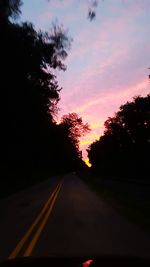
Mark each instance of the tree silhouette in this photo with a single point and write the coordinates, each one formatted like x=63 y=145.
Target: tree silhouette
x=125 y=146
x=72 y=128
x=75 y=127
x=31 y=139
x=9 y=8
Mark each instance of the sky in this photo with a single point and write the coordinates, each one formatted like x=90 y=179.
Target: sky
x=109 y=58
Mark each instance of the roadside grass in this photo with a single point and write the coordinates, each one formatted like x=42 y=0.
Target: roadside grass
x=129 y=199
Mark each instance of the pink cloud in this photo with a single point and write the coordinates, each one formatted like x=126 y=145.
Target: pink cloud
x=109 y=57
x=120 y=96
x=98 y=114
x=118 y=54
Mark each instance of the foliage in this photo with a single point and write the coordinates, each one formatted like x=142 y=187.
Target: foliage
x=10 y=8
x=125 y=146
x=31 y=139
x=92 y=6
x=92 y=10
x=75 y=127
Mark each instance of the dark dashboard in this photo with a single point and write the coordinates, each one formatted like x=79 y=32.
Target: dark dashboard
x=121 y=261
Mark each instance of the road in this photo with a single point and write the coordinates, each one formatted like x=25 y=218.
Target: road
x=63 y=217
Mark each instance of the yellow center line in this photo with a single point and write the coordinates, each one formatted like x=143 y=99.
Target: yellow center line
x=19 y=246
x=41 y=227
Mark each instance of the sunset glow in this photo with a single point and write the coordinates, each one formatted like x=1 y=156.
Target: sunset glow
x=108 y=63
x=87 y=162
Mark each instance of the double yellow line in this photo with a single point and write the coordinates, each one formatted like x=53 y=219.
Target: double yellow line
x=41 y=220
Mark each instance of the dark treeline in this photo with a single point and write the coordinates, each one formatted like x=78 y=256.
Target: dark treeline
x=124 y=148
x=30 y=137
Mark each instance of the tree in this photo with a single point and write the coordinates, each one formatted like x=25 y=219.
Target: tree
x=75 y=126
x=29 y=89
x=10 y=9
x=30 y=138
x=71 y=129
x=125 y=146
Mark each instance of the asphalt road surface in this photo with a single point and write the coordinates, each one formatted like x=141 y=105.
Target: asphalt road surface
x=63 y=217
